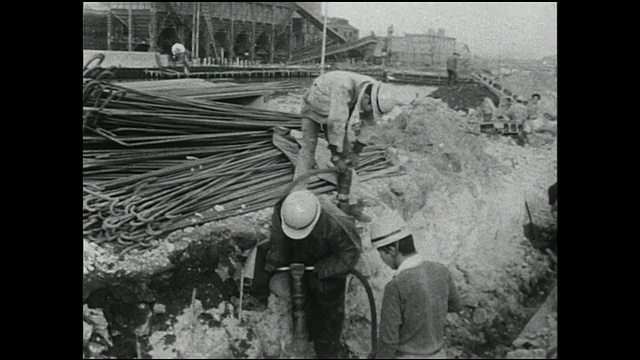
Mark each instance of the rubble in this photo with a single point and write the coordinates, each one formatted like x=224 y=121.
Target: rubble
x=463 y=196
x=205 y=334
x=464 y=96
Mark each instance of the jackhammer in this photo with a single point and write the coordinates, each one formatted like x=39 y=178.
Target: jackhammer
x=298 y=300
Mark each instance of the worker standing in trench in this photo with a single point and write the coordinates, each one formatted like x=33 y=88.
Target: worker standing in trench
x=416 y=301
x=345 y=105
x=306 y=232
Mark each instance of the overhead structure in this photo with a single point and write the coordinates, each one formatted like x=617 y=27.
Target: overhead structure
x=264 y=31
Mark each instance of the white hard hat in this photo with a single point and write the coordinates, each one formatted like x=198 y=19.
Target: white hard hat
x=383 y=99
x=178 y=48
x=300 y=213
x=388 y=228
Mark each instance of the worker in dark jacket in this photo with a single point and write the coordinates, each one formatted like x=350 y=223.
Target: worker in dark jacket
x=322 y=236
x=416 y=301
x=452 y=68
x=553 y=196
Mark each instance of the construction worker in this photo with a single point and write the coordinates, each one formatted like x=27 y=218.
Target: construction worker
x=533 y=107
x=416 y=301
x=553 y=197
x=452 y=68
x=503 y=108
x=304 y=231
x=180 y=57
x=518 y=111
x=345 y=105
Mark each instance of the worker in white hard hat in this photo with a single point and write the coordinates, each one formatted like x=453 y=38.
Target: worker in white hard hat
x=180 y=55
x=345 y=105
x=416 y=301
x=304 y=231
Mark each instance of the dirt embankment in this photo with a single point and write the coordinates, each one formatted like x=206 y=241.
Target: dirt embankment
x=463 y=197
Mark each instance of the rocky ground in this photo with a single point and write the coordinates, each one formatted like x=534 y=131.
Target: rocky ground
x=464 y=198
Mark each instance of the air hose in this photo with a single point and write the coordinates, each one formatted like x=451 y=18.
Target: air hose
x=372 y=307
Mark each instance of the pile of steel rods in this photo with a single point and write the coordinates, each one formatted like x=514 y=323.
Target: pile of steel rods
x=153 y=164
x=202 y=89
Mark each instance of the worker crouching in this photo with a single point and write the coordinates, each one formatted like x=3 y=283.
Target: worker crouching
x=416 y=301
x=180 y=57
x=345 y=106
x=305 y=232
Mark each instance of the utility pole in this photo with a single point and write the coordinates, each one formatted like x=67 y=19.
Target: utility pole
x=324 y=37
x=130 y=26
x=197 y=43
x=193 y=29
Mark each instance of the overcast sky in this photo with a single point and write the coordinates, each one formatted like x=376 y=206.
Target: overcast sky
x=517 y=30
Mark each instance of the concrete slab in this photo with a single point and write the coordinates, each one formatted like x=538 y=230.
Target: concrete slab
x=127 y=59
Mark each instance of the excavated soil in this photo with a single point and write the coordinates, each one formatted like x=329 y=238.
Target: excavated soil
x=464 y=96
x=463 y=196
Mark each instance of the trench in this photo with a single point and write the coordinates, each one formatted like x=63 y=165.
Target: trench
x=136 y=307
x=148 y=315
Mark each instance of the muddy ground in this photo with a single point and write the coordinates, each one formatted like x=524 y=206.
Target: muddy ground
x=464 y=198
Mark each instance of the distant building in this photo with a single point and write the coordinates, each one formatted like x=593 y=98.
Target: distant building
x=263 y=31
x=421 y=49
x=343 y=27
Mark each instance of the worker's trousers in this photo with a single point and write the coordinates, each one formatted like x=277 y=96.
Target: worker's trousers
x=325 y=313
x=306 y=161
x=181 y=60
x=452 y=76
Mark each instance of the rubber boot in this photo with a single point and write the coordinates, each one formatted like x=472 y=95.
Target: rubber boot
x=344 y=188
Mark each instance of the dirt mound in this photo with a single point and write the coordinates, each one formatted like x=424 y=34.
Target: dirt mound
x=464 y=96
x=463 y=197
x=527 y=83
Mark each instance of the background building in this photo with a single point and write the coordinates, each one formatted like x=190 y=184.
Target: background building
x=343 y=27
x=264 y=31
x=421 y=49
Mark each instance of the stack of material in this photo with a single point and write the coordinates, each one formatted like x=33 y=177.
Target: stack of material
x=155 y=163
x=207 y=90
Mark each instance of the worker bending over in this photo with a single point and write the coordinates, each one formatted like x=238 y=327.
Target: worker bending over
x=345 y=106
x=180 y=55
x=416 y=300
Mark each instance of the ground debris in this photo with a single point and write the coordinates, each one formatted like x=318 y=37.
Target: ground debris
x=205 y=334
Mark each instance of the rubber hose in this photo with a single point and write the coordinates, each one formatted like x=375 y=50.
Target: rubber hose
x=99 y=57
x=307 y=175
x=372 y=307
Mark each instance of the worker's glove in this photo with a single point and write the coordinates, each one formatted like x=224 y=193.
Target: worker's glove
x=353 y=160
x=339 y=163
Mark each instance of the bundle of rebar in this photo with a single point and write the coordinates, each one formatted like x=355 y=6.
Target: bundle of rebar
x=203 y=89
x=153 y=164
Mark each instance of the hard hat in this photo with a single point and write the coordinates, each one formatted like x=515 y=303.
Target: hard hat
x=178 y=48
x=382 y=99
x=387 y=229
x=300 y=213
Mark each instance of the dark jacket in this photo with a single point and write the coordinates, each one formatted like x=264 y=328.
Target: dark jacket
x=333 y=247
x=452 y=63
x=553 y=194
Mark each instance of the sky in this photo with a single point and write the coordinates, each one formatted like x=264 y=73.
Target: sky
x=507 y=30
